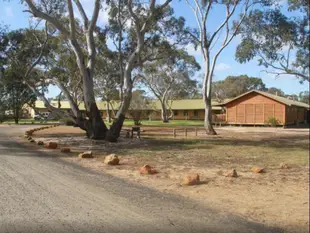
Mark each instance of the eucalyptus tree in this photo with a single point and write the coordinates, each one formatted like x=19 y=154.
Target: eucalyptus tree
x=140 y=105
x=276 y=91
x=280 y=42
x=15 y=93
x=304 y=97
x=27 y=50
x=212 y=42
x=107 y=87
x=54 y=12
x=62 y=70
x=233 y=86
x=170 y=78
x=141 y=31
x=18 y=52
x=146 y=20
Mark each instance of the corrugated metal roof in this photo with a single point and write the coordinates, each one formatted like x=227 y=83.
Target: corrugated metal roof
x=280 y=99
x=185 y=104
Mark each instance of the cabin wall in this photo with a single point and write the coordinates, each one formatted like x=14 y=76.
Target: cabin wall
x=295 y=115
x=254 y=109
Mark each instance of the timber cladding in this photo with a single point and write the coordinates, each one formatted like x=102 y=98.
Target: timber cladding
x=254 y=108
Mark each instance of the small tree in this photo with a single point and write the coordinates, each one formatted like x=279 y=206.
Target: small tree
x=139 y=104
x=106 y=88
x=169 y=79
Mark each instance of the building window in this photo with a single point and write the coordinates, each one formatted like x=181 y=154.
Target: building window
x=196 y=113
x=175 y=112
x=185 y=112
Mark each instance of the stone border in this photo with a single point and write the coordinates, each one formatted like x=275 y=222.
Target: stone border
x=29 y=133
x=190 y=179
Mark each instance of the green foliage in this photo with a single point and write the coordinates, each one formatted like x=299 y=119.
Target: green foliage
x=304 y=97
x=276 y=91
x=234 y=86
x=139 y=104
x=14 y=92
x=164 y=36
x=281 y=43
x=170 y=77
x=272 y=121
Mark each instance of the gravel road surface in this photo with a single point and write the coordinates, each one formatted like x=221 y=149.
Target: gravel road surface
x=42 y=193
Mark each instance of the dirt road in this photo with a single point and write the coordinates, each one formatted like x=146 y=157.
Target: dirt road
x=41 y=193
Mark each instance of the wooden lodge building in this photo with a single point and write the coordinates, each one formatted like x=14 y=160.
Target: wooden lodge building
x=186 y=109
x=256 y=107
x=251 y=108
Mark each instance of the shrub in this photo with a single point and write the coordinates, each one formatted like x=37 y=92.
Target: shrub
x=272 y=121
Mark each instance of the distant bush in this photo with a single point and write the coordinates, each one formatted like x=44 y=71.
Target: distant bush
x=3 y=118
x=272 y=121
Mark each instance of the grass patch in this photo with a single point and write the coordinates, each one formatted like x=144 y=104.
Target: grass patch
x=30 y=121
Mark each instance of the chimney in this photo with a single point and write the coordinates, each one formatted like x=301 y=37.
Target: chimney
x=276 y=93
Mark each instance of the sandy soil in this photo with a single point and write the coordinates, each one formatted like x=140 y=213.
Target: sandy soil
x=279 y=197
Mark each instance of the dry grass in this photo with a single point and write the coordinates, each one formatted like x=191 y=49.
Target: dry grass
x=278 y=197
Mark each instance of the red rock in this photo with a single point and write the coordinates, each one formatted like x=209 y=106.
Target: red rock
x=51 y=145
x=28 y=133
x=111 y=159
x=86 y=155
x=192 y=179
x=147 y=170
x=258 y=170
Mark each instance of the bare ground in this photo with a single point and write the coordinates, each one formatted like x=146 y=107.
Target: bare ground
x=278 y=198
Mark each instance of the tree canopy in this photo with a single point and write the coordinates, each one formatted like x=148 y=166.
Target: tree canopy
x=280 y=42
x=234 y=86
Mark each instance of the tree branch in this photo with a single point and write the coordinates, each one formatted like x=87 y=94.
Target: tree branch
x=82 y=12
x=73 y=104
x=37 y=13
x=72 y=21
x=40 y=55
x=228 y=16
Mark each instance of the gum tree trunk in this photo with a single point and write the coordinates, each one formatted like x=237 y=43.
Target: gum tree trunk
x=164 y=113
x=206 y=90
x=93 y=124
x=95 y=127
x=108 y=112
x=208 y=117
x=116 y=127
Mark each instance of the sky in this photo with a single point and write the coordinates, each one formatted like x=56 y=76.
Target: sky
x=12 y=14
